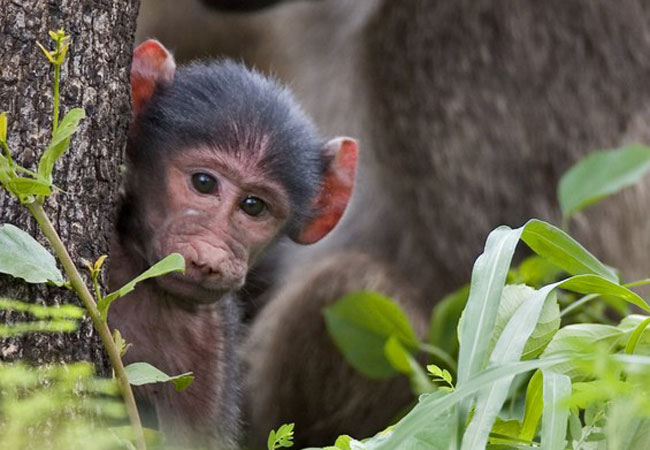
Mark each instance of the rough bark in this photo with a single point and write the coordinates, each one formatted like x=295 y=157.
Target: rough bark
x=94 y=77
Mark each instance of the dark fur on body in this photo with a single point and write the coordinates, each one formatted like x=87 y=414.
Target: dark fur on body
x=226 y=108
x=469 y=112
x=171 y=334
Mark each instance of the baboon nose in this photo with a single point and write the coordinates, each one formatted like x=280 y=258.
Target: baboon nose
x=205 y=268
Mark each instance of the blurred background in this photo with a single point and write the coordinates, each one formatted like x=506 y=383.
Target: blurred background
x=467 y=113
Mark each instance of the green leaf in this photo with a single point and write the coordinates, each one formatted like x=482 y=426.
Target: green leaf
x=548 y=324
x=42 y=311
x=505 y=432
x=120 y=343
x=361 y=323
x=581 y=339
x=533 y=407
x=431 y=406
x=562 y=250
x=171 y=263
x=575 y=426
x=343 y=442
x=47 y=53
x=144 y=373
x=3 y=127
x=23 y=257
x=601 y=174
x=593 y=284
x=402 y=361
x=281 y=438
x=627 y=427
x=60 y=142
x=397 y=356
x=25 y=188
x=488 y=277
x=636 y=335
x=508 y=348
x=557 y=389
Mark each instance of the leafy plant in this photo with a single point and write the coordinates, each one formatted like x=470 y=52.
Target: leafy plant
x=588 y=390
x=23 y=257
x=283 y=438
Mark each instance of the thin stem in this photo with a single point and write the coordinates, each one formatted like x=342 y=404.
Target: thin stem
x=57 y=78
x=98 y=293
x=27 y=171
x=577 y=304
x=8 y=155
x=441 y=354
x=637 y=283
x=104 y=332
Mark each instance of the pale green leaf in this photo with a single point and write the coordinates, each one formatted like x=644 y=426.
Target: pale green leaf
x=548 y=324
x=23 y=257
x=601 y=174
x=580 y=339
x=508 y=348
x=60 y=142
x=556 y=390
x=141 y=373
x=575 y=426
x=488 y=277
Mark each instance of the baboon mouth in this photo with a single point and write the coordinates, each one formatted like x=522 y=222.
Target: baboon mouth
x=192 y=288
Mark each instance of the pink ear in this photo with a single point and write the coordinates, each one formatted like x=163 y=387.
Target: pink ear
x=335 y=192
x=152 y=64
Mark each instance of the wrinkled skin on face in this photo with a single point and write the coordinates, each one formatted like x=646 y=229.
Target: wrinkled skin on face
x=219 y=211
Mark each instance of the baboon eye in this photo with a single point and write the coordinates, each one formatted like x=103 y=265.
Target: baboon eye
x=204 y=183
x=253 y=206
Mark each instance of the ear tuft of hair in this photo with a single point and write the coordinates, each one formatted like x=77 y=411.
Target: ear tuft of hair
x=153 y=65
x=335 y=192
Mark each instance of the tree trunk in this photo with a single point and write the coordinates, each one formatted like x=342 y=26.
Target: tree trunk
x=94 y=77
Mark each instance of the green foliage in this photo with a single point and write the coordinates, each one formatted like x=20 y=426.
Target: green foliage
x=60 y=142
x=21 y=256
x=601 y=174
x=169 y=264
x=582 y=369
x=361 y=323
x=283 y=438
x=549 y=320
x=439 y=374
x=58 y=407
x=144 y=373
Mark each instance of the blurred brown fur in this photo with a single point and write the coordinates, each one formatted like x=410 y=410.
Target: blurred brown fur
x=467 y=113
